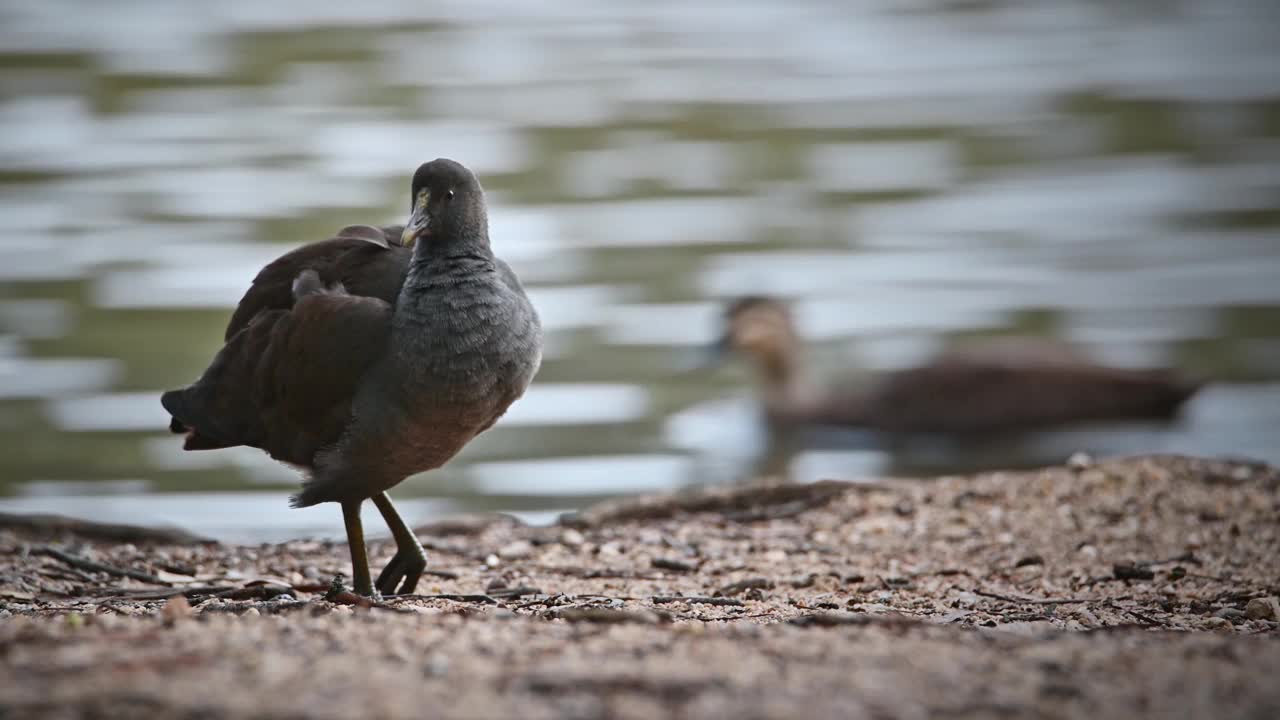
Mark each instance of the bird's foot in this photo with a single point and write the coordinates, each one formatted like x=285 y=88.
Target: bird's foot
x=400 y=576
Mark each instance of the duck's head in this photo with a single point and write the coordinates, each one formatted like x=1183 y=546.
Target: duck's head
x=446 y=206
x=760 y=329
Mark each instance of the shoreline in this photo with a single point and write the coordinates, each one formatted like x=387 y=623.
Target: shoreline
x=1128 y=588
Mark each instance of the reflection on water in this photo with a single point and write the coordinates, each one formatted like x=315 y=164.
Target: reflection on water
x=1233 y=420
x=908 y=173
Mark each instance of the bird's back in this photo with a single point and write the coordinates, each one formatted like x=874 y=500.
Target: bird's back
x=363 y=260
x=1006 y=389
x=367 y=261
x=285 y=383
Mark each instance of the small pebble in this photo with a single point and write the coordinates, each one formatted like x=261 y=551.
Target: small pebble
x=251 y=612
x=1231 y=614
x=1217 y=623
x=1131 y=571
x=1259 y=609
x=673 y=564
x=572 y=538
x=1080 y=461
x=824 y=583
x=516 y=550
x=492 y=560
x=175 y=608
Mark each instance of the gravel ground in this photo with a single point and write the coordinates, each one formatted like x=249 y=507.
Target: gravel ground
x=1144 y=587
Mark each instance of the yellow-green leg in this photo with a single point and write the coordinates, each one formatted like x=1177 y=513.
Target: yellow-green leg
x=410 y=559
x=355 y=540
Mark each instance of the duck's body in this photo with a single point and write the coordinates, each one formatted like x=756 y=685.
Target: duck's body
x=959 y=393
x=378 y=361
x=1002 y=387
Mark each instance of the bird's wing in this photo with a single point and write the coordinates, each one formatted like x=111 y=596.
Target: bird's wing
x=1015 y=352
x=383 y=236
x=285 y=382
x=368 y=261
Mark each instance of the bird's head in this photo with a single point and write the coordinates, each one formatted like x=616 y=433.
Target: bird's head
x=446 y=205
x=760 y=329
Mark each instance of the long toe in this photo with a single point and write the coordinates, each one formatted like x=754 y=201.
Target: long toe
x=401 y=575
x=413 y=572
x=391 y=575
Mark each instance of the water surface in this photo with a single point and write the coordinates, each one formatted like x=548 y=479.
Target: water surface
x=909 y=174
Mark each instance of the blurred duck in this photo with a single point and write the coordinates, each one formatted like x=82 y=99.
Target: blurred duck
x=1000 y=387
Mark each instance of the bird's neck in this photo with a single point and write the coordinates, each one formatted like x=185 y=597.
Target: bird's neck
x=431 y=257
x=455 y=271
x=782 y=377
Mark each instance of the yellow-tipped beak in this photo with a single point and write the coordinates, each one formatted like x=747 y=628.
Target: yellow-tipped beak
x=416 y=227
x=408 y=237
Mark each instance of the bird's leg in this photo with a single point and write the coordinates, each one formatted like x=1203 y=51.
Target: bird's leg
x=410 y=558
x=355 y=540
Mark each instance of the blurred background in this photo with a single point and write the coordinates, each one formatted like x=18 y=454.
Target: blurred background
x=907 y=173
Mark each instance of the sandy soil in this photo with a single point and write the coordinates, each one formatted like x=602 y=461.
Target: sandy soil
x=1137 y=588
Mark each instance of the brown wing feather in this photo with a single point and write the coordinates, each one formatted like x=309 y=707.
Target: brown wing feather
x=366 y=260
x=285 y=383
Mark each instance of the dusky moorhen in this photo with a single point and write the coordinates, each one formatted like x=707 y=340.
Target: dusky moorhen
x=372 y=356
